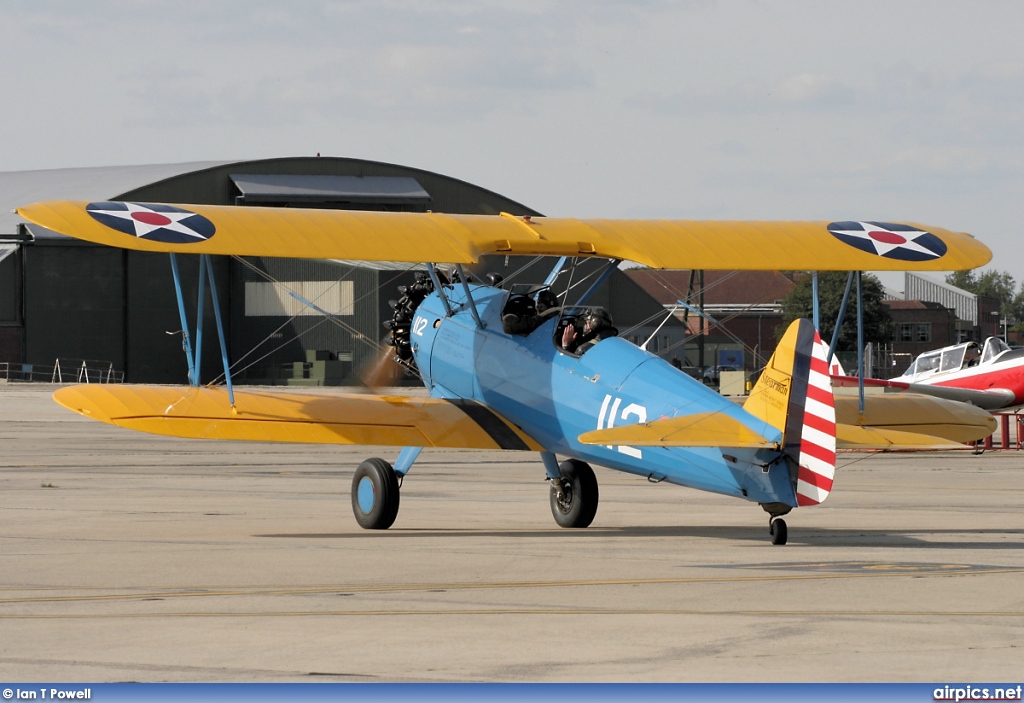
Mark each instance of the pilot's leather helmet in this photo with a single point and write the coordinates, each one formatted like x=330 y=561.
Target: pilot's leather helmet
x=597 y=319
x=546 y=300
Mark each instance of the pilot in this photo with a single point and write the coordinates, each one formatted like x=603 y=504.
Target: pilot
x=587 y=330
x=547 y=303
x=972 y=355
x=522 y=314
x=519 y=315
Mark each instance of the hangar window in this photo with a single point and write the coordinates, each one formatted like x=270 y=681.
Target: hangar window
x=391 y=193
x=275 y=299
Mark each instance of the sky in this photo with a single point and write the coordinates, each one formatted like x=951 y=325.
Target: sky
x=696 y=109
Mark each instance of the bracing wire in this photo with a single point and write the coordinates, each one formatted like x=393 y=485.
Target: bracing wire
x=355 y=333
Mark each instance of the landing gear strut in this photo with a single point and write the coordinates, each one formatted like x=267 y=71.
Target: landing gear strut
x=574 y=494
x=776 y=525
x=375 y=495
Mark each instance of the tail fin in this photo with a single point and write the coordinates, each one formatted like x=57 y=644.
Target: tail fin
x=794 y=395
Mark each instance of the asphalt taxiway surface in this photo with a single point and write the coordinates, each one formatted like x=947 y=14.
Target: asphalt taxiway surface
x=131 y=557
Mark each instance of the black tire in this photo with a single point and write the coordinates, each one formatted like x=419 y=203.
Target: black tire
x=779 y=531
x=375 y=495
x=578 y=506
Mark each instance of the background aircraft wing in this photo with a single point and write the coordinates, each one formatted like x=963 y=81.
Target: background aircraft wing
x=418 y=237
x=988 y=399
x=206 y=413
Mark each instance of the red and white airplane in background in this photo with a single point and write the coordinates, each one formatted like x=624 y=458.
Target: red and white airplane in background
x=990 y=376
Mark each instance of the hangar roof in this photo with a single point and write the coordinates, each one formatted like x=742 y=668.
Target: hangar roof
x=334 y=181
x=19 y=188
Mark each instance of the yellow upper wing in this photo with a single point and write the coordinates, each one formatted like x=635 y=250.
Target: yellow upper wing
x=419 y=237
x=206 y=413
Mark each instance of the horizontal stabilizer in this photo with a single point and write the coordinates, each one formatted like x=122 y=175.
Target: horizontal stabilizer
x=920 y=414
x=206 y=413
x=855 y=437
x=712 y=429
x=463 y=239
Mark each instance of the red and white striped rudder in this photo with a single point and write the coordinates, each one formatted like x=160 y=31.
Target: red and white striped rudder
x=817 y=457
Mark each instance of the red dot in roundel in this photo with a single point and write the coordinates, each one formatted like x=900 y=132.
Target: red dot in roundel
x=152 y=218
x=887 y=237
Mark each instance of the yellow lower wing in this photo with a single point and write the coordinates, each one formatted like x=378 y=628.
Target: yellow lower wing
x=206 y=413
x=697 y=430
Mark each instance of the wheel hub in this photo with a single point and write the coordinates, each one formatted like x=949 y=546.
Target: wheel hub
x=365 y=494
x=563 y=494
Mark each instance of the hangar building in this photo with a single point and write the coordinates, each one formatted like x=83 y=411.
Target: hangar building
x=63 y=299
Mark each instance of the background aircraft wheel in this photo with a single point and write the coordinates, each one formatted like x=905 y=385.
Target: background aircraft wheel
x=375 y=495
x=574 y=499
x=778 y=530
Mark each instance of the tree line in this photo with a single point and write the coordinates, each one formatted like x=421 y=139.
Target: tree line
x=994 y=284
x=878 y=325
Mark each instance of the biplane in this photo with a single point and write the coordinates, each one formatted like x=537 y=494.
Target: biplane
x=988 y=375
x=521 y=369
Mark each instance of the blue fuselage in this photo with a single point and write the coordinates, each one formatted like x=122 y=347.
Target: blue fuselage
x=554 y=396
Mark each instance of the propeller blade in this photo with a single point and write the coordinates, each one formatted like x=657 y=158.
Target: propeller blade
x=383 y=372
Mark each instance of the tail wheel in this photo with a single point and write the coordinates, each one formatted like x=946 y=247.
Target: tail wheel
x=574 y=494
x=778 y=530
x=375 y=495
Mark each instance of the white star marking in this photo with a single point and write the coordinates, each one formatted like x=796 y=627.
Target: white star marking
x=146 y=220
x=882 y=247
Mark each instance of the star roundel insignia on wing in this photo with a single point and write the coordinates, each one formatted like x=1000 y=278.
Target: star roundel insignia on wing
x=161 y=223
x=893 y=241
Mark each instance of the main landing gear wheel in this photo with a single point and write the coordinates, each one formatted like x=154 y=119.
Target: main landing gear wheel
x=375 y=495
x=574 y=494
x=778 y=530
